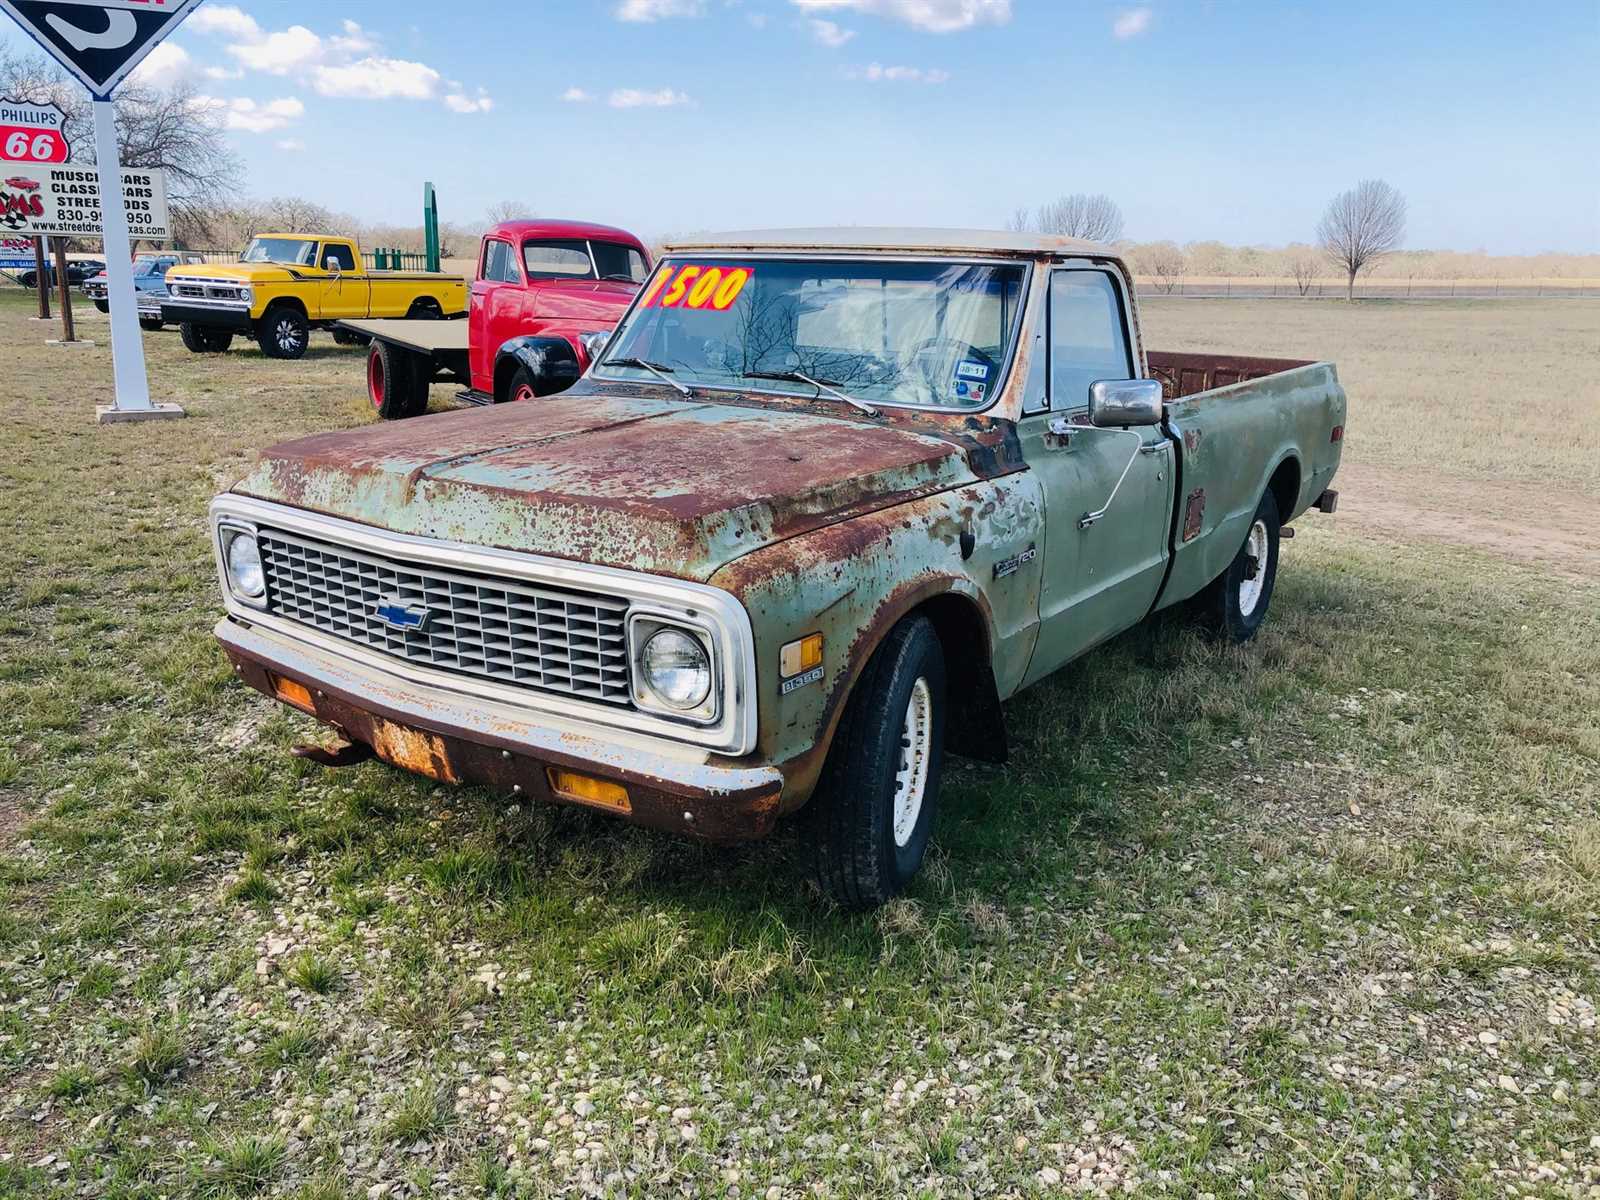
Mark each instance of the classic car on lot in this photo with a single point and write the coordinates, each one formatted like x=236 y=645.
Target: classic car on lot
x=826 y=500
x=287 y=284
x=546 y=296
x=149 y=284
x=78 y=270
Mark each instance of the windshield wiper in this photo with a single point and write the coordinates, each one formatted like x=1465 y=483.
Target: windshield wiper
x=644 y=364
x=821 y=385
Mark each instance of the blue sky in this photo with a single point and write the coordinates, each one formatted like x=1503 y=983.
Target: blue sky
x=1234 y=121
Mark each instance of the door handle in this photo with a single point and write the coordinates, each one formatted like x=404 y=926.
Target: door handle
x=1154 y=447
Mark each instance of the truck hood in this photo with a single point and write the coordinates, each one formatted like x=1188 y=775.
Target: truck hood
x=670 y=487
x=243 y=272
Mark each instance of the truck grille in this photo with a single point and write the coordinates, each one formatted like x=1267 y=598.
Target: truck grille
x=205 y=291
x=568 y=642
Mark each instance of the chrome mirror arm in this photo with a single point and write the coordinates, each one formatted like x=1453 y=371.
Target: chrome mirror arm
x=1089 y=518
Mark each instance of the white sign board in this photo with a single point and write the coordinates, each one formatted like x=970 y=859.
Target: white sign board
x=64 y=201
x=99 y=41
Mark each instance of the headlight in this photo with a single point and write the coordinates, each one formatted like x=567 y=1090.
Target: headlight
x=248 y=296
x=675 y=667
x=593 y=344
x=244 y=564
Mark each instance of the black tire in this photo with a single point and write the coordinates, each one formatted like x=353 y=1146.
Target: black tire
x=1222 y=605
x=348 y=337
x=397 y=382
x=283 y=332
x=522 y=386
x=426 y=308
x=860 y=862
x=200 y=339
x=102 y=306
x=152 y=324
x=29 y=279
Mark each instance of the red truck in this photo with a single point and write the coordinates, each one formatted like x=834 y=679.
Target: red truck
x=543 y=301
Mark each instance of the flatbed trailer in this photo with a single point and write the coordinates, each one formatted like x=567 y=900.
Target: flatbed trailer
x=408 y=356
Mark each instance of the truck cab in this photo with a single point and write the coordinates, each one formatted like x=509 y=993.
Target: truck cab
x=545 y=278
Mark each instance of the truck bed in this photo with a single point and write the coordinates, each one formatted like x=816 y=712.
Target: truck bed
x=425 y=337
x=1183 y=373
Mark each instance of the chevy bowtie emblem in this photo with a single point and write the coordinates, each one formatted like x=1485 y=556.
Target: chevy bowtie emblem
x=398 y=615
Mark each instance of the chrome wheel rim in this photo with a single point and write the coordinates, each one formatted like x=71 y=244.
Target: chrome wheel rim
x=911 y=780
x=1255 y=568
x=288 y=335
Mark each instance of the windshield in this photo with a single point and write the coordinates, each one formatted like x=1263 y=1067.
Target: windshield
x=912 y=333
x=147 y=264
x=296 y=251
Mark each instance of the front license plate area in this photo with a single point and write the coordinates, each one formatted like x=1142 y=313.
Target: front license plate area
x=413 y=749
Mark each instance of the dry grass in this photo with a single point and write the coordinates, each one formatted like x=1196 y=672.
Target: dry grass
x=1504 y=391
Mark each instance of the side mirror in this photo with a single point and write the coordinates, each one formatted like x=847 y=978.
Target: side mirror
x=1114 y=403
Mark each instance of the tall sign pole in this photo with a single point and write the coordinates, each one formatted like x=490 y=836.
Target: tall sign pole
x=101 y=42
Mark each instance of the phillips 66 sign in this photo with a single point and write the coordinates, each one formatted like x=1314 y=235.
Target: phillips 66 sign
x=32 y=133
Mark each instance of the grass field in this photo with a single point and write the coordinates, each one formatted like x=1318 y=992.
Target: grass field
x=1316 y=917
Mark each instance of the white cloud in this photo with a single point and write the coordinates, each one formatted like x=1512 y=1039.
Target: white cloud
x=459 y=101
x=293 y=145
x=163 y=66
x=1131 y=23
x=224 y=19
x=247 y=116
x=636 y=98
x=576 y=95
x=878 y=73
x=378 y=79
x=829 y=34
x=656 y=10
x=930 y=16
x=220 y=72
x=354 y=39
x=279 y=53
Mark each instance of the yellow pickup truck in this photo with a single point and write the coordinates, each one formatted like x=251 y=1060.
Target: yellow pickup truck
x=287 y=284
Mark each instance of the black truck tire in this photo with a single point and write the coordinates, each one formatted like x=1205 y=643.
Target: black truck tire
x=397 y=381
x=102 y=306
x=879 y=793
x=1234 y=604
x=201 y=339
x=152 y=324
x=283 y=332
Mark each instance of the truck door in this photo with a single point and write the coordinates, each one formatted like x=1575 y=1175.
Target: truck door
x=1097 y=579
x=345 y=292
x=494 y=309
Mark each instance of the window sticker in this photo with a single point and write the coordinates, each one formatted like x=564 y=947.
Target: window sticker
x=697 y=288
x=968 y=369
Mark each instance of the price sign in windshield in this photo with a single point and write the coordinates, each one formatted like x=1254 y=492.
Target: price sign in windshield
x=32 y=133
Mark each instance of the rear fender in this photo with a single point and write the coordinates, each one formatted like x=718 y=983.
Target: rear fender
x=552 y=361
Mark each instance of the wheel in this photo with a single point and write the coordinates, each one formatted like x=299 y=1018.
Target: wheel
x=346 y=337
x=521 y=385
x=151 y=324
x=1234 y=604
x=425 y=309
x=394 y=384
x=29 y=279
x=283 y=332
x=879 y=790
x=201 y=339
x=102 y=306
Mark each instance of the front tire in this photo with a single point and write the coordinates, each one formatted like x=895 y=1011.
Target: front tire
x=198 y=339
x=283 y=332
x=879 y=792
x=1234 y=604
x=102 y=306
x=152 y=324
x=522 y=385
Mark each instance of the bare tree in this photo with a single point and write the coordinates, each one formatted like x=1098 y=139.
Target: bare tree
x=157 y=128
x=1360 y=227
x=1080 y=215
x=1165 y=261
x=1020 y=221
x=1304 y=267
x=296 y=214
x=508 y=210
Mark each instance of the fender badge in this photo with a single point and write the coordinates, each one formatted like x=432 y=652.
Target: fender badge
x=1010 y=566
x=799 y=681
x=397 y=615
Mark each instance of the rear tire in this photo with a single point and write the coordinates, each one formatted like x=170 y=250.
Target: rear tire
x=425 y=309
x=395 y=386
x=199 y=339
x=879 y=793
x=1234 y=604
x=347 y=337
x=283 y=332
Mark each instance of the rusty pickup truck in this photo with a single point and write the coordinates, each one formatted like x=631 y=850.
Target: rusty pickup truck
x=825 y=500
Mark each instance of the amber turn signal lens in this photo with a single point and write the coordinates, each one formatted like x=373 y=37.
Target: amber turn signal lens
x=293 y=693
x=602 y=793
x=800 y=656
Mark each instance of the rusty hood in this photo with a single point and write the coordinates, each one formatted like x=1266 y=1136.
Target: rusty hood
x=673 y=487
